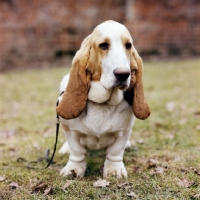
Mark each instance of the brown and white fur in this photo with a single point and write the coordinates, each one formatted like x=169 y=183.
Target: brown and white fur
x=103 y=94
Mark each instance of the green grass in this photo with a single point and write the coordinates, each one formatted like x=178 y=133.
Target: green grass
x=171 y=138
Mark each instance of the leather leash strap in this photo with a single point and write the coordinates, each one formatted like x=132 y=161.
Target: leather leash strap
x=57 y=131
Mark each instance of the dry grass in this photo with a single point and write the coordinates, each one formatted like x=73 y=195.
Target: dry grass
x=163 y=163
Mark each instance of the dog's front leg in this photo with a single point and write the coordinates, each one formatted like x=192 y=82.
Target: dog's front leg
x=77 y=158
x=114 y=164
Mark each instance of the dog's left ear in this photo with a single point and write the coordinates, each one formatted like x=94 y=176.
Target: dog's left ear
x=135 y=93
x=75 y=96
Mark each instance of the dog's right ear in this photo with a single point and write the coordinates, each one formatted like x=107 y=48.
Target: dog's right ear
x=75 y=96
x=135 y=93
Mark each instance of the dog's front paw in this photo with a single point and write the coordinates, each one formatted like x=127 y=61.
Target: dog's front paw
x=64 y=149
x=75 y=169
x=116 y=169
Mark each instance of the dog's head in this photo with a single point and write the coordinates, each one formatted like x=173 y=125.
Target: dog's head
x=107 y=56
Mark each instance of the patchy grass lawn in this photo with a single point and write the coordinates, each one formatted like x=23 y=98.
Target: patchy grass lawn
x=163 y=163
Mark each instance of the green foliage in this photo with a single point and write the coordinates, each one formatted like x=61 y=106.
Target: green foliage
x=163 y=163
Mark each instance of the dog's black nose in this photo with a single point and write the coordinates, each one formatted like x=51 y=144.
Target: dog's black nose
x=121 y=74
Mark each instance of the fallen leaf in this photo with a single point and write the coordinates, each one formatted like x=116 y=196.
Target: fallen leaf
x=170 y=136
x=137 y=169
x=7 y=133
x=152 y=163
x=12 y=149
x=197 y=113
x=157 y=170
x=182 y=121
x=132 y=194
x=198 y=127
x=184 y=170
x=196 y=196
x=101 y=183
x=157 y=124
x=67 y=184
x=40 y=187
x=48 y=191
x=14 y=185
x=2 y=178
x=140 y=141
x=184 y=183
x=190 y=169
x=170 y=106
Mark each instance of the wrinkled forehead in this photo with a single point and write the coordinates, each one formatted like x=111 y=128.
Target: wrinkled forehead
x=113 y=29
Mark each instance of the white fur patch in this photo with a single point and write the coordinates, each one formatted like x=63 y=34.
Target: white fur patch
x=98 y=93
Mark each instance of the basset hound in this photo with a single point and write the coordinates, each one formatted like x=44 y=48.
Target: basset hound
x=103 y=93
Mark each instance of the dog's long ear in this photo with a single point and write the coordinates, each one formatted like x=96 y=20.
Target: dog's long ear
x=135 y=93
x=75 y=96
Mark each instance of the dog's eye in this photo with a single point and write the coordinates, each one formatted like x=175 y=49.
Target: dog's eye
x=128 y=45
x=104 y=46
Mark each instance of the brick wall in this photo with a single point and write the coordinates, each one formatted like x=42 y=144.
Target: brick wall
x=42 y=31
x=167 y=28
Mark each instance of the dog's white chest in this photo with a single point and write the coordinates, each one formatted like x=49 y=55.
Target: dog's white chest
x=99 y=124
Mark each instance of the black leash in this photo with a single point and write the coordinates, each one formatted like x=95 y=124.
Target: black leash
x=30 y=164
x=57 y=131
x=54 y=150
x=46 y=156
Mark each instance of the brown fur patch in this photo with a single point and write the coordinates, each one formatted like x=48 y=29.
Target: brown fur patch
x=75 y=96
x=140 y=106
x=97 y=54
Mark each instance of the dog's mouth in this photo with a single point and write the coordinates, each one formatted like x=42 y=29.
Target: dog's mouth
x=122 y=86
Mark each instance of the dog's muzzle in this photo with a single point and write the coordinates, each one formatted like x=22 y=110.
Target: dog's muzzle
x=122 y=74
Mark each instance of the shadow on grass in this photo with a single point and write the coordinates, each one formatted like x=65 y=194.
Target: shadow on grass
x=95 y=161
